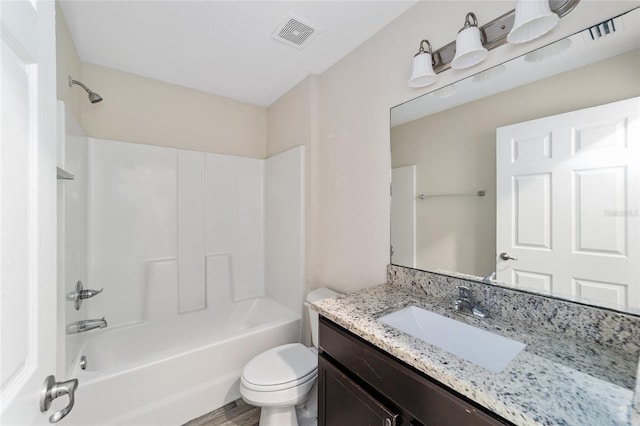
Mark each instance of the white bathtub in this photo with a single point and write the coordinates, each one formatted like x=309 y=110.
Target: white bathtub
x=167 y=373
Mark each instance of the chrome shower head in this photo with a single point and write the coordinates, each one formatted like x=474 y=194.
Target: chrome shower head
x=94 y=98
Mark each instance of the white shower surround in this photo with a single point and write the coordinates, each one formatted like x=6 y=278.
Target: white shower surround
x=151 y=205
x=174 y=236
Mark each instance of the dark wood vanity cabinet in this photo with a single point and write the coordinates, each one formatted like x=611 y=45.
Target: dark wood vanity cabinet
x=359 y=384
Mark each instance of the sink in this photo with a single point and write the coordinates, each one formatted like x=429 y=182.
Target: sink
x=481 y=347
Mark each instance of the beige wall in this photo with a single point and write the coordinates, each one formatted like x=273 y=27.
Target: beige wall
x=290 y=119
x=143 y=110
x=67 y=64
x=350 y=232
x=458 y=233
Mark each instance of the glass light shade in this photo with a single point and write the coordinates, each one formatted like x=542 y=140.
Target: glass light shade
x=469 y=49
x=422 y=71
x=534 y=19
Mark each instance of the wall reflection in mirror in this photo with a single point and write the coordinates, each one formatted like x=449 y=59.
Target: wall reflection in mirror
x=530 y=170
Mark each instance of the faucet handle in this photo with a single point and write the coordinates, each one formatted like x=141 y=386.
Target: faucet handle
x=466 y=298
x=464 y=292
x=79 y=294
x=85 y=294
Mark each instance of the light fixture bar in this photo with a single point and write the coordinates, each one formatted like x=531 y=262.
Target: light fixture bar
x=495 y=33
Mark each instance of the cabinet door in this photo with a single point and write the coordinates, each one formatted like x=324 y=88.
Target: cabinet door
x=343 y=402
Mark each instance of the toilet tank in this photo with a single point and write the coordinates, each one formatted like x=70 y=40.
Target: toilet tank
x=314 y=296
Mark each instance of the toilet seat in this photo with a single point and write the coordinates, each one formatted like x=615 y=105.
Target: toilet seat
x=280 y=368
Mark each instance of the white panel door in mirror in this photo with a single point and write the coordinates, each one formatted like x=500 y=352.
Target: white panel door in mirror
x=568 y=204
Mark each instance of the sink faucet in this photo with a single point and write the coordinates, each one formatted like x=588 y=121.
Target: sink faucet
x=85 y=325
x=489 y=278
x=465 y=301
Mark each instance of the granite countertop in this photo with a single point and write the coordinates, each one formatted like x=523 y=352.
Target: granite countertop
x=556 y=380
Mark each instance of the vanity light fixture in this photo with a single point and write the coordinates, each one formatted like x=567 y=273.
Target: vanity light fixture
x=469 y=48
x=422 y=74
x=528 y=21
x=534 y=19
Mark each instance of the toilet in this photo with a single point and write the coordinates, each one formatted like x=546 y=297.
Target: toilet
x=281 y=378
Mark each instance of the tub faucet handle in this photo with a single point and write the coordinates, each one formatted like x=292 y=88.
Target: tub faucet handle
x=85 y=294
x=79 y=294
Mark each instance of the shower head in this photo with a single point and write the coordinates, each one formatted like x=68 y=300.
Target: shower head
x=94 y=98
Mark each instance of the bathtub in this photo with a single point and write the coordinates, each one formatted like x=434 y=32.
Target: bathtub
x=169 y=372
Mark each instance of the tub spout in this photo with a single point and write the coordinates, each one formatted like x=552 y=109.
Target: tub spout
x=85 y=325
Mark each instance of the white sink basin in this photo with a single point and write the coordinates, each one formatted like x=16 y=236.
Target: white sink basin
x=481 y=347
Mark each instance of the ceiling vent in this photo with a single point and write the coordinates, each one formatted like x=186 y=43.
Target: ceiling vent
x=294 y=32
x=603 y=29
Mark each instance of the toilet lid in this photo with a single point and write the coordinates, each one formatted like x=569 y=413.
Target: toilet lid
x=281 y=365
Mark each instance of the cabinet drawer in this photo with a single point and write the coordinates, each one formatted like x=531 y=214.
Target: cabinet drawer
x=420 y=396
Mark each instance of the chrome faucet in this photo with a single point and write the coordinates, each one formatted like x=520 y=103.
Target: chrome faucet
x=465 y=301
x=85 y=325
x=489 y=278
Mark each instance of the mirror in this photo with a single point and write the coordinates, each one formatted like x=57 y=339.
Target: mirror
x=485 y=181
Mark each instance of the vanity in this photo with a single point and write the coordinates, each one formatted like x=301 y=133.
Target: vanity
x=578 y=366
x=359 y=381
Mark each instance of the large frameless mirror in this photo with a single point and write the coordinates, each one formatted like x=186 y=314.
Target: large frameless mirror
x=528 y=174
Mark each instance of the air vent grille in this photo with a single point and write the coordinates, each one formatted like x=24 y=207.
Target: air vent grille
x=294 y=32
x=603 y=29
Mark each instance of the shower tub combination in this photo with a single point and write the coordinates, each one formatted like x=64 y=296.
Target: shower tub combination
x=186 y=367
x=185 y=245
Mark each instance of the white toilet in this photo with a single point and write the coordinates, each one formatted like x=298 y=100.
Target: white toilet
x=279 y=379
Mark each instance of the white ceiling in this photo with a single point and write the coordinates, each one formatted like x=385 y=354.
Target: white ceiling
x=222 y=47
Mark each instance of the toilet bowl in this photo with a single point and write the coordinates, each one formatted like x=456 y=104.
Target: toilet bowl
x=281 y=378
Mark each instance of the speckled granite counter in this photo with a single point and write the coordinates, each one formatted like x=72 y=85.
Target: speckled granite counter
x=557 y=379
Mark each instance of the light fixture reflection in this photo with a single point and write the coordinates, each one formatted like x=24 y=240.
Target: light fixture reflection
x=534 y=19
x=422 y=68
x=469 y=48
x=549 y=51
x=445 y=92
x=489 y=74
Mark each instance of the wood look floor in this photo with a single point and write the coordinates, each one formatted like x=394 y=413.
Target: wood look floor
x=236 y=413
